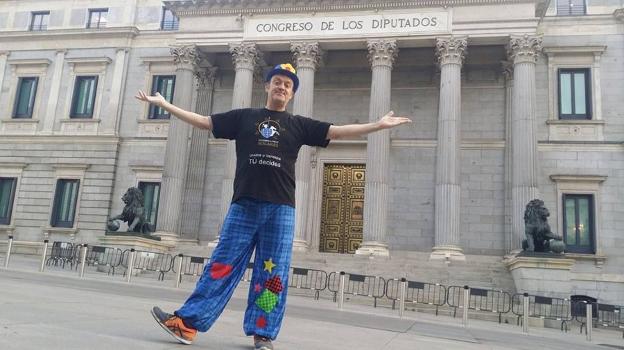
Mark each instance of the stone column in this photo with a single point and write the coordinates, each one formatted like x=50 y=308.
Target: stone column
x=174 y=172
x=450 y=54
x=245 y=57
x=192 y=212
x=508 y=75
x=381 y=54
x=55 y=88
x=523 y=52
x=307 y=56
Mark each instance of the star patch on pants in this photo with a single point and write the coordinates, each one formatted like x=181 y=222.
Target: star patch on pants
x=218 y=270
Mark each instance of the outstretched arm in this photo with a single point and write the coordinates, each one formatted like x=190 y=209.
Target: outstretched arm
x=198 y=120
x=352 y=130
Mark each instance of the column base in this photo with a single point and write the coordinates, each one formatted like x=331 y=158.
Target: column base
x=300 y=246
x=214 y=242
x=373 y=248
x=448 y=253
x=168 y=237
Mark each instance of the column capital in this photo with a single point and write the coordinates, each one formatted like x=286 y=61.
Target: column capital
x=245 y=55
x=306 y=54
x=451 y=50
x=5 y=53
x=205 y=76
x=185 y=57
x=619 y=14
x=382 y=52
x=526 y=48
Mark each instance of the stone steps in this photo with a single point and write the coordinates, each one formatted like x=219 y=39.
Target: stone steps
x=477 y=271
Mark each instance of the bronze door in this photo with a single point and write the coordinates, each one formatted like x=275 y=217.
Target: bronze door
x=342 y=215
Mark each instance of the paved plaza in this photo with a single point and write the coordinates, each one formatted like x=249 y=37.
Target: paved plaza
x=58 y=310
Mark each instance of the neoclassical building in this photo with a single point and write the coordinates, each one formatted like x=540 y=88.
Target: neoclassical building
x=512 y=100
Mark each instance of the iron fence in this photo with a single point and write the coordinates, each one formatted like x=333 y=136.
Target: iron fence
x=302 y=278
x=417 y=292
x=557 y=309
x=479 y=299
x=149 y=261
x=358 y=285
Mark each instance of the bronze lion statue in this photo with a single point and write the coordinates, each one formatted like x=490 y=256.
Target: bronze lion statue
x=133 y=213
x=539 y=237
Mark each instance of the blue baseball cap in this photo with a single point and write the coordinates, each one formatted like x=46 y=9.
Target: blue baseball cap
x=284 y=69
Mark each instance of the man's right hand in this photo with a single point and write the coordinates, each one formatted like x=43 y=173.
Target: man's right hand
x=157 y=99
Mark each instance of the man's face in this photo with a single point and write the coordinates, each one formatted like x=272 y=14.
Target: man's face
x=279 y=90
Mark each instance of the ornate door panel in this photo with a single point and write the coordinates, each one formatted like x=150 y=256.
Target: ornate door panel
x=342 y=216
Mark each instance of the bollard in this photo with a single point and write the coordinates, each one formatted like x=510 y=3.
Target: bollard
x=590 y=317
x=179 y=276
x=402 y=294
x=130 y=265
x=341 y=290
x=83 y=259
x=8 y=252
x=466 y=305
x=525 y=313
x=43 y=258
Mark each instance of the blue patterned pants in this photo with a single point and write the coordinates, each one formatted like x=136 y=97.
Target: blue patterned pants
x=249 y=223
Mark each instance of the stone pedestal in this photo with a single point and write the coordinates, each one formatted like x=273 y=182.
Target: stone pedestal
x=541 y=274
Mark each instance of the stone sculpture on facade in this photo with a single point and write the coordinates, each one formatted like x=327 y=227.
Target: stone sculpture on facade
x=539 y=238
x=133 y=214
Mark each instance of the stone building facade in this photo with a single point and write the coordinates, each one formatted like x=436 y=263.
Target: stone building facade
x=511 y=100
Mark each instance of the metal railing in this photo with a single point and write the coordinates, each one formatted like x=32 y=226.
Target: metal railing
x=479 y=299
x=189 y=265
x=557 y=309
x=417 y=293
x=302 y=278
x=104 y=256
x=62 y=253
x=146 y=261
x=357 y=285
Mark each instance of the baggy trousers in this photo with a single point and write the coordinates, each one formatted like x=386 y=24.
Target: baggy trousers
x=249 y=223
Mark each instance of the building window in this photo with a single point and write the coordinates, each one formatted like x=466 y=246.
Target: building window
x=574 y=94
x=169 y=20
x=65 y=200
x=578 y=223
x=151 y=197
x=83 y=100
x=165 y=85
x=97 y=18
x=25 y=97
x=39 y=21
x=7 y=195
x=571 y=8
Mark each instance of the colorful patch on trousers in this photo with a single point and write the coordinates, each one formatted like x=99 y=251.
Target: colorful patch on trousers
x=219 y=270
x=261 y=322
x=267 y=301
x=274 y=284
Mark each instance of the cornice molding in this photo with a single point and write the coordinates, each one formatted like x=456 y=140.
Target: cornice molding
x=64 y=34
x=184 y=8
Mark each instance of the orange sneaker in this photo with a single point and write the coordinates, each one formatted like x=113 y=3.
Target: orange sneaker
x=174 y=326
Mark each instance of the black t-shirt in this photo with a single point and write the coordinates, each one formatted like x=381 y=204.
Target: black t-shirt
x=267 y=145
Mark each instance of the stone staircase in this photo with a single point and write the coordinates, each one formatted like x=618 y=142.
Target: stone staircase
x=480 y=271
